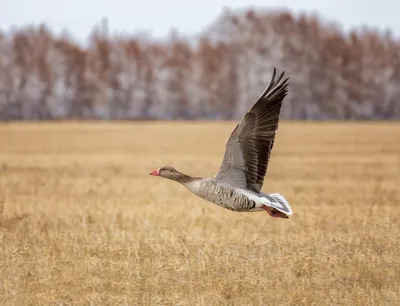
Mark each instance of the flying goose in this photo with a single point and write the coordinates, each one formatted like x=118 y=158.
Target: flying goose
x=237 y=185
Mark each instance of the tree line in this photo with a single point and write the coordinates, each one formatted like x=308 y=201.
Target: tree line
x=217 y=75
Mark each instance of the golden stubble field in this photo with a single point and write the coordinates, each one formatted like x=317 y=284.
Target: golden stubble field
x=82 y=222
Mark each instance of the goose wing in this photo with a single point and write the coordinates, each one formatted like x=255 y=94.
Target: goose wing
x=249 y=146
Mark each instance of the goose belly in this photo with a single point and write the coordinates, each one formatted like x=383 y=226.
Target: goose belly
x=235 y=201
x=228 y=198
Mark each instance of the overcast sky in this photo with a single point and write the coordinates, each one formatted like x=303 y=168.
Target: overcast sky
x=157 y=17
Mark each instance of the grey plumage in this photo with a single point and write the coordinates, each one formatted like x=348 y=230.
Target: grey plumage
x=249 y=146
x=220 y=194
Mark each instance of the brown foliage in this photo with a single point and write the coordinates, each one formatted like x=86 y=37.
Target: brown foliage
x=334 y=75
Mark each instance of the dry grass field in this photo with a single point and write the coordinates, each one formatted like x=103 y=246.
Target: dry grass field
x=82 y=222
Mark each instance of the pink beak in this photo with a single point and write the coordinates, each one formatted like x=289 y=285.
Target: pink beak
x=155 y=173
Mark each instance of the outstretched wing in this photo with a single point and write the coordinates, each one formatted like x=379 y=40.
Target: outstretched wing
x=249 y=146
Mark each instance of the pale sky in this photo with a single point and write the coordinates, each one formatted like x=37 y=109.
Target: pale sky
x=157 y=17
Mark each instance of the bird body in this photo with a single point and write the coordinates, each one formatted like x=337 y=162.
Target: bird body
x=235 y=199
x=221 y=194
x=237 y=185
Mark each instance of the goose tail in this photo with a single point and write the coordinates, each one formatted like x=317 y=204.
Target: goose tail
x=278 y=201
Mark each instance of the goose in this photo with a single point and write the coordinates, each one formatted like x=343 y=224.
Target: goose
x=237 y=185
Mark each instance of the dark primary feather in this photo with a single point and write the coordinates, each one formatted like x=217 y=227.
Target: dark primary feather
x=249 y=146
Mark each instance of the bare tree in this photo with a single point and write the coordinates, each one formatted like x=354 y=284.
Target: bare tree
x=334 y=74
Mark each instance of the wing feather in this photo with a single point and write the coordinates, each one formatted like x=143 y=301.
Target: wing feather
x=249 y=146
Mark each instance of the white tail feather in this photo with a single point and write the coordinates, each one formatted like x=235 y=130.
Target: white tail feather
x=279 y=202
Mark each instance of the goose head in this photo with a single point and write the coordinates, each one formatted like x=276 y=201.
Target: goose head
x=168 y=172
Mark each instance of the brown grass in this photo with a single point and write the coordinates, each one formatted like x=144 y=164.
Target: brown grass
x=81 y=221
